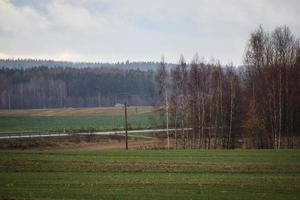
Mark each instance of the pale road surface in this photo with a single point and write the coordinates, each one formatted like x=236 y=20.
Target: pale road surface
x=49 y=134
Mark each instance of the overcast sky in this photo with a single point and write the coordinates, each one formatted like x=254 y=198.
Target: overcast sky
x=137 y=30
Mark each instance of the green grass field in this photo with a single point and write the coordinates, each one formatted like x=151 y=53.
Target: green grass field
x=77 y=119
x=80 y=123
x=149 y=174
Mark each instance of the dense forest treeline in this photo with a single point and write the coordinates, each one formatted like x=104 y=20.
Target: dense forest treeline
x=56 y=87
x=30 y=63
x=259 y=102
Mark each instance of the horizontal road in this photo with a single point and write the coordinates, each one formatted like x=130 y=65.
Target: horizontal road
x=13 y=135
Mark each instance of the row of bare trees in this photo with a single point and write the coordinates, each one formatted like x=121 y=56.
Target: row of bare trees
x=254 y=106
x=272 y=77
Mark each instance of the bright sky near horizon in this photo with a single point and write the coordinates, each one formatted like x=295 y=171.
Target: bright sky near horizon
x=138 y=30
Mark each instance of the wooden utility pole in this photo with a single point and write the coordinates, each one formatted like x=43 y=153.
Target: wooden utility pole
x=126 y=136
x=167 y=116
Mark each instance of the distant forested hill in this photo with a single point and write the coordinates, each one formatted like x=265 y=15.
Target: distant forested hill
x=29 y=63
x=54 y=87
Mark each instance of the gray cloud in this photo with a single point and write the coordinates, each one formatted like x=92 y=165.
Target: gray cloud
x=104 y=30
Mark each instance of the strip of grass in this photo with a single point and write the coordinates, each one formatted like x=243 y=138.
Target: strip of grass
x=133 y=174
x=77 y=123
x=96 y=111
